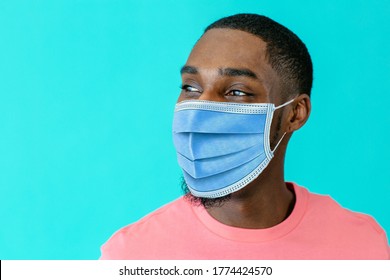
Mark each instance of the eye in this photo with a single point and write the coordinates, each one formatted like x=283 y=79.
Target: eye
x=237 y=93
x=189 y=88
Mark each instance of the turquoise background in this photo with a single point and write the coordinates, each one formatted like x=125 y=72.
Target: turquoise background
x=87 y=90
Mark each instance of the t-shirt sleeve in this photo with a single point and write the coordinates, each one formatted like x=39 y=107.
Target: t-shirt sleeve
x=115 y=248
x=380 y=232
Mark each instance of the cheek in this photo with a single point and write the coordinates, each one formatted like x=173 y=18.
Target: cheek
x=180 y=98
x=276 y=123
x=188 y=96
x=276 y=128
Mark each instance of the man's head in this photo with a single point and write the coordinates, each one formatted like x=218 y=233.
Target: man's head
x=249 y=58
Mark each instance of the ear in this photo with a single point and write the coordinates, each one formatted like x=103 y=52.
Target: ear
x=299 y=114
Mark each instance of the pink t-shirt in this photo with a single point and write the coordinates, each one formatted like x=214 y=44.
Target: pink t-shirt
x=317 y=228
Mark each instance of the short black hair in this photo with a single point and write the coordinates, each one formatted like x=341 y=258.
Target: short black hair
x=286 y=53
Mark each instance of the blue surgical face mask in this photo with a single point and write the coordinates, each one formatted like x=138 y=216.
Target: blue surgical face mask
x=222 y=147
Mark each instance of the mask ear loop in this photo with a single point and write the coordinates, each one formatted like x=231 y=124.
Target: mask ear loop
x=284 y=104
x=280 y=106
x=273 y=151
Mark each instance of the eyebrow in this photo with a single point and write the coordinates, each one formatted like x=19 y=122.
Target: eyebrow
x=231 y=72
x=186 y=69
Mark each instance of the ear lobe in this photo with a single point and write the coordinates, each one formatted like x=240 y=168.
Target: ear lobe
x=300 y=112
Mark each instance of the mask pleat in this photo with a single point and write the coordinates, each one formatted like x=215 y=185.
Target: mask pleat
x=222 y=180
x=210 y=166
x=196 y=146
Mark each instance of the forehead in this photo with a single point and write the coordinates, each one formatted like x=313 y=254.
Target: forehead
x=235 y=46
x=227 y=48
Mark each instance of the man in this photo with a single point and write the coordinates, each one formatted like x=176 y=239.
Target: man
x=246 y=89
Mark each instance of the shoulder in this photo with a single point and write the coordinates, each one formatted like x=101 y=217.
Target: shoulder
x=326 y=207
x=131 y=239
x=336 y=223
